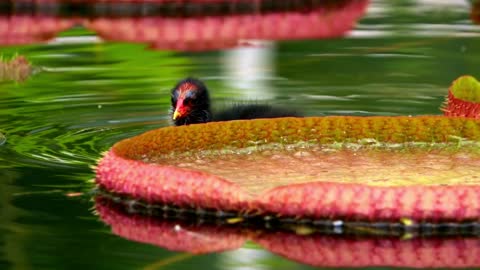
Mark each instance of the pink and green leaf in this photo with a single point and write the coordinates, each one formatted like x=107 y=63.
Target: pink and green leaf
x=369 y=168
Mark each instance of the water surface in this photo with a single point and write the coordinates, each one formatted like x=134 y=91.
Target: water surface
x=87 y=94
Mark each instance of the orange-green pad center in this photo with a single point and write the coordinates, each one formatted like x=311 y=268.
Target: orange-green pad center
x=261 y=154
x=261 y=170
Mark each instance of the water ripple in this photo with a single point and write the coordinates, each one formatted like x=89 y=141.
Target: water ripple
x=3 y=139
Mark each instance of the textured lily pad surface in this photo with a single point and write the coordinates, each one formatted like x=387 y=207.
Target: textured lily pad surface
x=376 y=168
x=258 y=171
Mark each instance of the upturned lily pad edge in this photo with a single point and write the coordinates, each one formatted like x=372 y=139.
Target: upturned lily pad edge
x=184 y=188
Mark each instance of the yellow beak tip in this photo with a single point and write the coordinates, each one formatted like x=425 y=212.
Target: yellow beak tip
x=176 y=115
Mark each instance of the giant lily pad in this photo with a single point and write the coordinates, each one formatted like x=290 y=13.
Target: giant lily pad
x=364 y=168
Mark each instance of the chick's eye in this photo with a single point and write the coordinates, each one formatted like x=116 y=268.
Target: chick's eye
x=188 y=102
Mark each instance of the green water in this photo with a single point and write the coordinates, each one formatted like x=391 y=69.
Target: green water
x=87 y=95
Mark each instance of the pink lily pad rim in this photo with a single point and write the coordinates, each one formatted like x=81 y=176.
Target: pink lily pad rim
x=157 y=184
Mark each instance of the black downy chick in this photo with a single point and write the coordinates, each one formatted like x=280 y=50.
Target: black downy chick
x=191 y=105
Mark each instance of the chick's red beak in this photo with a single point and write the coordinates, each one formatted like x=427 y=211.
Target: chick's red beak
x=180 y=110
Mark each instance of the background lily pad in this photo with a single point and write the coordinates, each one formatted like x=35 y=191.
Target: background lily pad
x=463 y=98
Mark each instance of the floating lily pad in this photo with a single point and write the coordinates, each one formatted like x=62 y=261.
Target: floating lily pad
x=463 y=98
x=368 y=168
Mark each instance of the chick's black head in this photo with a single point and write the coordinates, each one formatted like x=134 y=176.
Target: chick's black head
x=190 y=102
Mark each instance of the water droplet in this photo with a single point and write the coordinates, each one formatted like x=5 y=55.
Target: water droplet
x=267 y=153
x=303 y=230
x=200 y=161
x=3 y=139
x=300 y=154
x=337 y=226
x=337 y=223
x=74 y=194
x=234 y=220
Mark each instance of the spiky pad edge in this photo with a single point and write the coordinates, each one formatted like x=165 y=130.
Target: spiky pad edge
x=121 y=172
x=167 y=184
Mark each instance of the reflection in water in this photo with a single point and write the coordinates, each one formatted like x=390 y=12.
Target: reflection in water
x=339 y=252
x=3 y=138
x=176 y=231
x=185 y=26
x=26 y=29
x=436 y=21
x=237 y=259
x=13 y=244
x=249 y=70
x=178 y=234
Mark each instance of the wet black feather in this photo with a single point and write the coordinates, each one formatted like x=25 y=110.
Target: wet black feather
x=200 y=108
